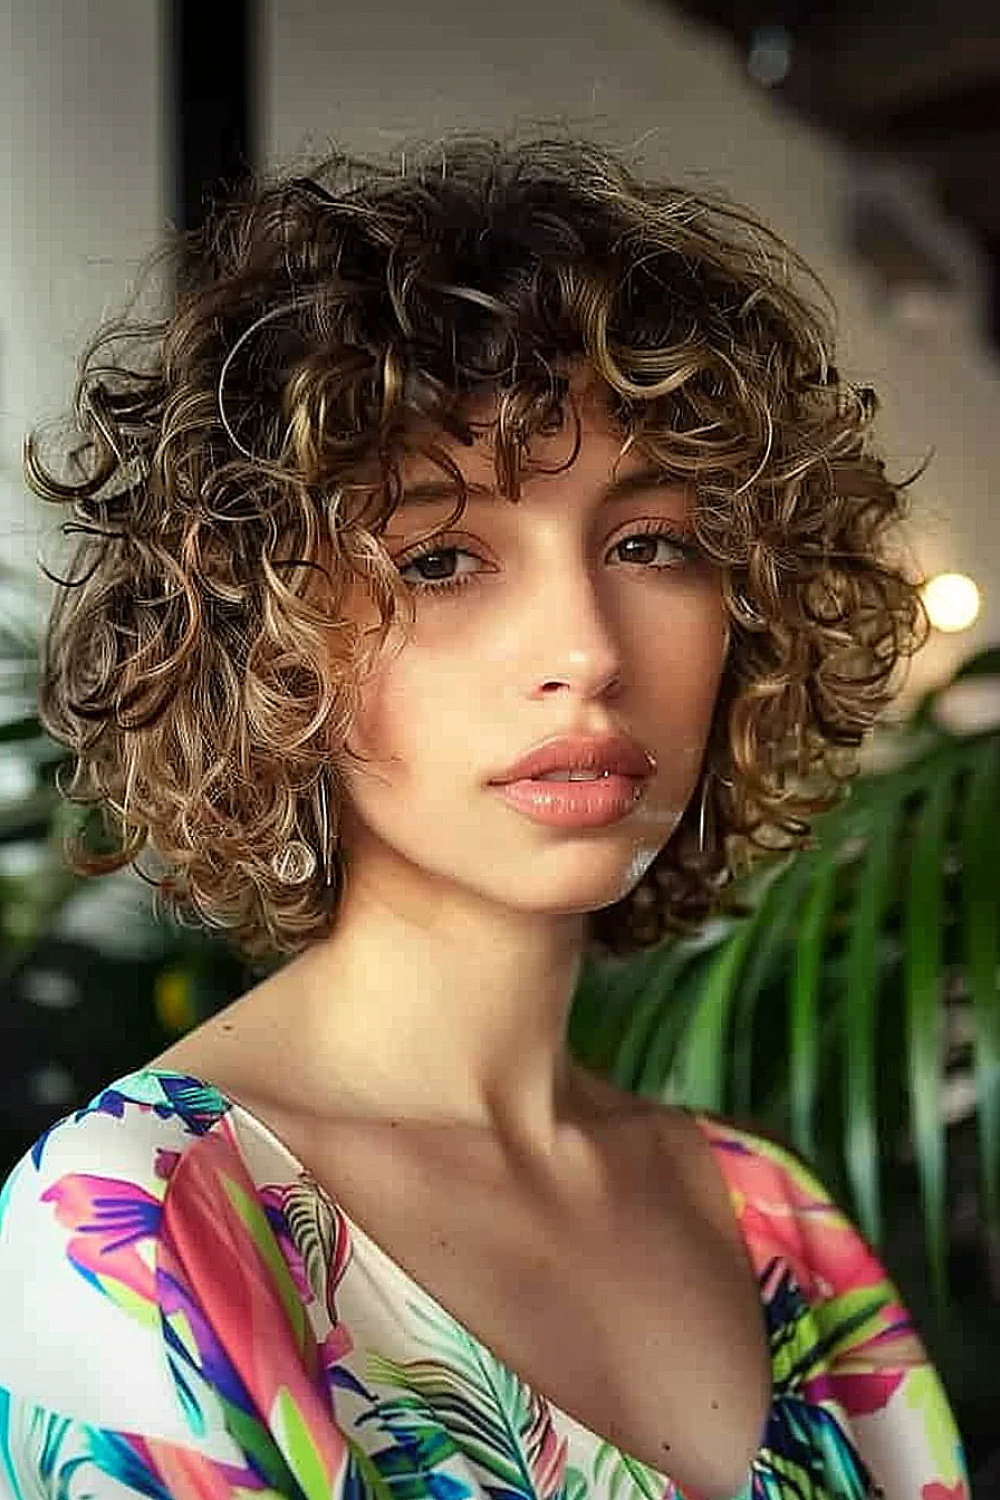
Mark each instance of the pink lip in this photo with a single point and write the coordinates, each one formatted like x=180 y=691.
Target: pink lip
x=616 y=753
x=575 y=804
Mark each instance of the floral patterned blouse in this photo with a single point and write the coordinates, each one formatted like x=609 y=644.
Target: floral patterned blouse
x=184 y=1313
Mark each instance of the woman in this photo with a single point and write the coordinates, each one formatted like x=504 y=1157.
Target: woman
x=476 y=564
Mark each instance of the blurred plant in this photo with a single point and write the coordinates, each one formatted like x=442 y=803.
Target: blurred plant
x=94 y=983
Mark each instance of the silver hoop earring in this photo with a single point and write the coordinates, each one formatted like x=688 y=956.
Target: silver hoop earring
x=294 y=863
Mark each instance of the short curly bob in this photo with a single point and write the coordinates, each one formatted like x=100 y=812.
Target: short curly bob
x=235 y=464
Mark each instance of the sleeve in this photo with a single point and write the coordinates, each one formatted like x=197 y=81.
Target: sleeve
x=849 y=1347
x=879 y=1371
x=116 y=1300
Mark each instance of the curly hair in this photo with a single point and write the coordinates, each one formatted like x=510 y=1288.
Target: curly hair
x=235 y=464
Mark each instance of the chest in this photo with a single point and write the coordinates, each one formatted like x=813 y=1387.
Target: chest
x=641 y=1323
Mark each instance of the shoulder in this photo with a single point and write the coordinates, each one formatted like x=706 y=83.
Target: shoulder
x=131 y=1130
x=828 y=1298
x=787 y=1213
x=79 y=1219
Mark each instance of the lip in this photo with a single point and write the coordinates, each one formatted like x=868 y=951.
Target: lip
x=616 y=754
x=575 y=804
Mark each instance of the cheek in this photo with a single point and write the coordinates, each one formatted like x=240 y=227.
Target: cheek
x=398 y=713
x=373 y=732
x=688 y=666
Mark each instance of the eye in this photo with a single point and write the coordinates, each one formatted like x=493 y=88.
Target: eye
x=650 y=534
x=433 y=558
x=656 y=547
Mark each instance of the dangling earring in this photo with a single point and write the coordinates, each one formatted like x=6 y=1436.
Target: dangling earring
x=701 y=813
x=295 y=862
x=704 y=798
x=324 y=833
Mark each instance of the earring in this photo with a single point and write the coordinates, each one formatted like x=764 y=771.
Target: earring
x=324 y=833
x=701 y=814
x=704 y=798
x=295 y=862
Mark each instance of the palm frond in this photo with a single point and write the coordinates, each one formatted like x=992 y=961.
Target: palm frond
x=980 y=841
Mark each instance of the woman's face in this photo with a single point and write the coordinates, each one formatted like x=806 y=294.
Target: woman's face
x=570 y=616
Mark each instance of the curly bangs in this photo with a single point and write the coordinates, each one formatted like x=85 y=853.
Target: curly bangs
x=235 y=465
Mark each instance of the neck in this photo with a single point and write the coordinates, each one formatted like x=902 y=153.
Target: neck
x=443 y=1015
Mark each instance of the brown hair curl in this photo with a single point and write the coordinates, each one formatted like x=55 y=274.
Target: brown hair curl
x=233 y=477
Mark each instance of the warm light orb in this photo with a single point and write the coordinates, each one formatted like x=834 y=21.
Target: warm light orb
x=952 y=601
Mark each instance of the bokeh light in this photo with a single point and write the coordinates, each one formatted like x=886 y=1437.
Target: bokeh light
x=952 y=601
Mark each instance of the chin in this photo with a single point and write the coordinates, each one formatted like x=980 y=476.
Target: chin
x=593 y=889
x=592 y=895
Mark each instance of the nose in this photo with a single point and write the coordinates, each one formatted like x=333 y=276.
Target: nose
x=575 y=646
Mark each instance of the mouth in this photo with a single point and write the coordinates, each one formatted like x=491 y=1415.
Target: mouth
x=570 y=776
x=581 y=757
x=575 y=799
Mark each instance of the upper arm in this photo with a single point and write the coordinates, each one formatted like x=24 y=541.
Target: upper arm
x=88 y=1402
x=843 y=1341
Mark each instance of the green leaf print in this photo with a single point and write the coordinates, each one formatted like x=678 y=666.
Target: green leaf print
x=574 y=1483
x=494 y=1419
x=368 y=1478
x=296 y=1443
x=638 y=1479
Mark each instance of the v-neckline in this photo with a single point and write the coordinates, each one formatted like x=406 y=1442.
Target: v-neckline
x=357 y=1233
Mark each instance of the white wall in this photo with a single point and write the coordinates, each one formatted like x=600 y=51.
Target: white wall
x=83 y=192
x=82 y=168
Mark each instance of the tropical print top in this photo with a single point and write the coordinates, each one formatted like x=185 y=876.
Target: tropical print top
x=185 y=1313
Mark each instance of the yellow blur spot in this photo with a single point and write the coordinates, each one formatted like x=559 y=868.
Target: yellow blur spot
x=173 y=996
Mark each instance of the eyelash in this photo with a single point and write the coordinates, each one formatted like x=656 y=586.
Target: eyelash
x=689 y=549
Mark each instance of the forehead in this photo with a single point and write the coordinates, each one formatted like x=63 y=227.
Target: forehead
x=604 y=456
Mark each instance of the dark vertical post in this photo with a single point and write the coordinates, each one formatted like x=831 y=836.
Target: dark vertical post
x=211 y=63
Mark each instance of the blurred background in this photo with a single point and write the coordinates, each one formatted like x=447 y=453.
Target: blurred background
x=867 y=136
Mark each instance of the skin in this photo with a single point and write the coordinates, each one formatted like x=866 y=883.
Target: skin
x=444 y=989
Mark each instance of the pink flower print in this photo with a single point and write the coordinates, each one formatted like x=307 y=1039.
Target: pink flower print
x=784 y=1212
x=187 y=1475
x=107 y=1220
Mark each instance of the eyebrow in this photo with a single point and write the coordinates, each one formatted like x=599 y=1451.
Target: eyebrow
x=618 y=489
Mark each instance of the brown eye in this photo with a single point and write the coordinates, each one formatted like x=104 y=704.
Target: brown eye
x=435 y=558
x=648 y=539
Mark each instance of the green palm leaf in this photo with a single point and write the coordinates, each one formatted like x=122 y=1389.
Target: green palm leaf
x=700 y=1059
x=780 y=908
x=657 y=1075
x=700 y=1065
x=871 y=900
x=980 y=838
x=924 y=990
x=803 y=999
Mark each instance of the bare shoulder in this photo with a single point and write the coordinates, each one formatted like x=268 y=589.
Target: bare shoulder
x=238 y=1046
